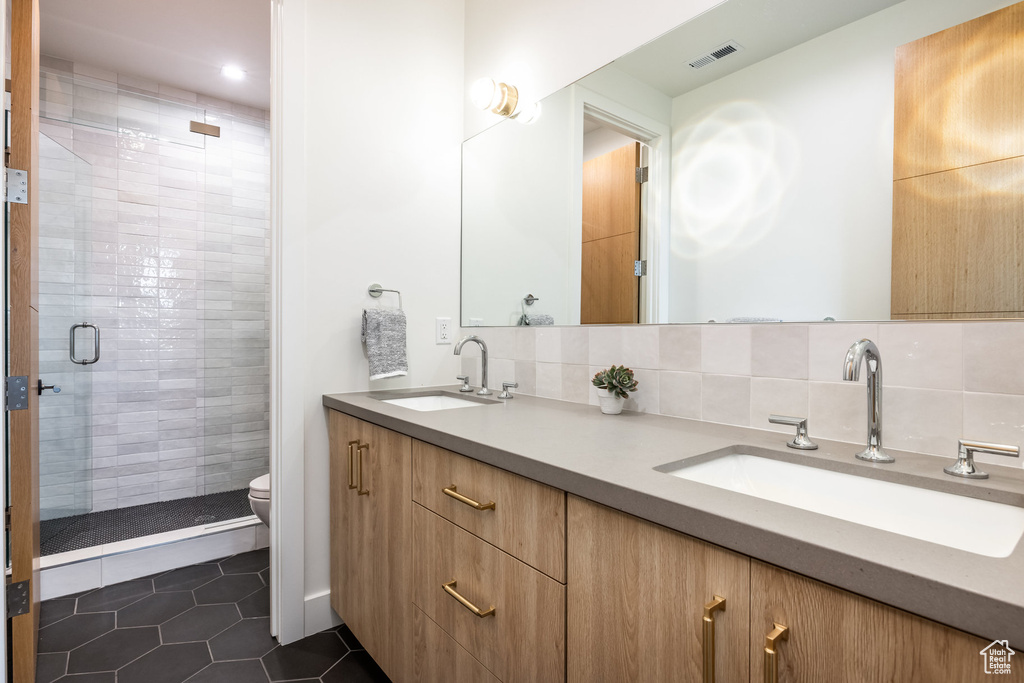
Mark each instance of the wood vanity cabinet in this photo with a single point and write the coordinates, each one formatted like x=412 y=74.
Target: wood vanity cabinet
x=371 y=502
x=636 y=595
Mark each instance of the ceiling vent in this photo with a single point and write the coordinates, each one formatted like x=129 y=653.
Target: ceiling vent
x=720 y=52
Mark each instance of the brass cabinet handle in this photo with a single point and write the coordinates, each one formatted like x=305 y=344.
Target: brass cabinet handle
x=453 y=492
x=771 y=654
x=716 y=605
x=351 y=464
x=359 y=449
x=449 y=588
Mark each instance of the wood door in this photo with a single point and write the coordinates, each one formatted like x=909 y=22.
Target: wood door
x=371 y=538
x=636 y=596
x=23 y=332
x=610 y=292
x=840 y=637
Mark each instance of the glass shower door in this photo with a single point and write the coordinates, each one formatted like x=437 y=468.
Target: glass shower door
x=67 y=283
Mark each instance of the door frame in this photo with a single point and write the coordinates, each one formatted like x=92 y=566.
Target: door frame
x=655 y=215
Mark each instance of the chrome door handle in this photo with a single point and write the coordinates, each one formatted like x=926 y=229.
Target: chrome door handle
x=95 y=344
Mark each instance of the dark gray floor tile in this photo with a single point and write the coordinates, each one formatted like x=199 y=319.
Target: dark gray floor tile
x=256 y=605
x=67 y=634
x=113 y=650
x=186 y=578
x=199 y=623
x=310 y=657
x=155 y=609
x=50 y=667
x=54 y=610
x=244 y=671
x=346 y=635
x=167 y=664
x=228 y=589
x=265 y=575
x=105 y=677
x=114 y=597
x=356 y=667
x=248 y=639
x=247 y=563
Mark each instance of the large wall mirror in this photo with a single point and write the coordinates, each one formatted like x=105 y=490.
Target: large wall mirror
x=767 y=131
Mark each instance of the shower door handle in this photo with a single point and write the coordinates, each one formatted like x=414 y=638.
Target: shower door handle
x=95 y=344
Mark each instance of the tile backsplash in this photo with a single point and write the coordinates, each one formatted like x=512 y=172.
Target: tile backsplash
x=942 y=381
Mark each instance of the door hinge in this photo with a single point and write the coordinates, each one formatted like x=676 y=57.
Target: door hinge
x=641 y=174
x=16 y=186
x=640 y=268
x=16 y=393
x=19 y=598
x=7 y=518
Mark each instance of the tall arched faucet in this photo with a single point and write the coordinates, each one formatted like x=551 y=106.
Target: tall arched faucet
x=866 y=351
x=484 y=391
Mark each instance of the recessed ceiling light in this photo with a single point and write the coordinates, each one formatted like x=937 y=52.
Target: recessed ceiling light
x=233 y=72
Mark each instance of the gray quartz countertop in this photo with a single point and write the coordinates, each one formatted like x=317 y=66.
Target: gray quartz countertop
x=610 y=459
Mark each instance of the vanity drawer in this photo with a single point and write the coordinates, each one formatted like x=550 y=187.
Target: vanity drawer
x=437 y=658
x=523 y=640
x=527 y=519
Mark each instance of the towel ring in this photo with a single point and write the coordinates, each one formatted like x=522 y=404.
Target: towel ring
x=375 y=290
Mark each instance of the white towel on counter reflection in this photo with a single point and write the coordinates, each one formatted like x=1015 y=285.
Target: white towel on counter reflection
x=384 y=335
x=537 y=319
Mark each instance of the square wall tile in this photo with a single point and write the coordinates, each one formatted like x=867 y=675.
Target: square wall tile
x=725 y=349
x=526 y=376
x=922 y=355
x=828 y=344
x=769 y=396
x=646 y=399
x=576 y=383
x=994 y=357
x=548 y=345
x=779 y=351
x=526 y=343
x=575 y=345
x=679 y=347
x=995 y=418
x=725 y=399
x=680 y=394
x=838 y=411
x=922 y=420
x=640 y=347
x=549 y=380
x=605 y=346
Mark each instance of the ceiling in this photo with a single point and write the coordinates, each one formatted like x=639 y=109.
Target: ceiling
x=182 y=44
x=762 y=27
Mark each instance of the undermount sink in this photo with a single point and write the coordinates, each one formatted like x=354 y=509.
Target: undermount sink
x=437 y=401
x=977 y=526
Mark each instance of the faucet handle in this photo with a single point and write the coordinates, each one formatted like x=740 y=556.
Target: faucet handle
x=964 y=466
x=505 y=386
x=801 y=440
x=465 y=383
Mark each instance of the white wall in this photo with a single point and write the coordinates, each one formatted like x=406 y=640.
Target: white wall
x=370 y=122
x=782 y=176
x=541 y=46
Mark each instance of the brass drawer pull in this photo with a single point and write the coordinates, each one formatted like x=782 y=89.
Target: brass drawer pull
x=453 y=492
x=716 y=605
x=362 y=447
x=449 y=588
x=771 y=654
x=351 y=464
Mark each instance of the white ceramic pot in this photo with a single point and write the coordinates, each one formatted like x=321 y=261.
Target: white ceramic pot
x=611 y=404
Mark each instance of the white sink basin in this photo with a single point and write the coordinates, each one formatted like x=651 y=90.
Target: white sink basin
x=433 y=402
x=977 y=526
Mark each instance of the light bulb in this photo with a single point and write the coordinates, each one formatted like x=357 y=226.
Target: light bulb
x=232 y=72
x=528 y=114
x=483 y=93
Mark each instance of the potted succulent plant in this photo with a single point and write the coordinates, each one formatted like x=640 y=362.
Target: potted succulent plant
x=613 y=387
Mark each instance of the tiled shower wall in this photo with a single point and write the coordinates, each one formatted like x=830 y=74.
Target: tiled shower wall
x=175 y=271
x=942 y=381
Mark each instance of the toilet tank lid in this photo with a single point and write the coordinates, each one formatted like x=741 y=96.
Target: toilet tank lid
x=260 y=484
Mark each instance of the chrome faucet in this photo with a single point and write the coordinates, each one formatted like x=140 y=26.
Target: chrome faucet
x=866 y=351
x=484 y=391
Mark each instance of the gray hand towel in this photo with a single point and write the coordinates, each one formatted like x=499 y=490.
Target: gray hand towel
x=540 y=319
x=384 y=336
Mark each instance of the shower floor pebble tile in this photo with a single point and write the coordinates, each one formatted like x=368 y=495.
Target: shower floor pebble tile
x=207 y=623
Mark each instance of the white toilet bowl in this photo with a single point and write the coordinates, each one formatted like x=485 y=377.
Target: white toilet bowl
x=259 y=497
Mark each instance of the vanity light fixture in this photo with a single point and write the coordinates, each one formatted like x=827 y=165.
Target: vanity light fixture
x=502 y=99
x=232 y=72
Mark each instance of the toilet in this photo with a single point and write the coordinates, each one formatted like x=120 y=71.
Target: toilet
x=259 y=497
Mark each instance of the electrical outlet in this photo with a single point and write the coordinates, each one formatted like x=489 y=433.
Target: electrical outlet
x=442 y=330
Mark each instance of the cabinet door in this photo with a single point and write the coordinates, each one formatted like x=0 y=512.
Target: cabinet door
x=370 y=538
x=840 y=637
x=636 y=596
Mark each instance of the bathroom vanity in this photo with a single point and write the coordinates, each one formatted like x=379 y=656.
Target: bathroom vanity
x=537 y=540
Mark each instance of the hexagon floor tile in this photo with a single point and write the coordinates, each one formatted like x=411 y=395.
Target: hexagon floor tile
x=201 y=624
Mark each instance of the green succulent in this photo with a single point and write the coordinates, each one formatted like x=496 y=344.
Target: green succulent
x=616 y=379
